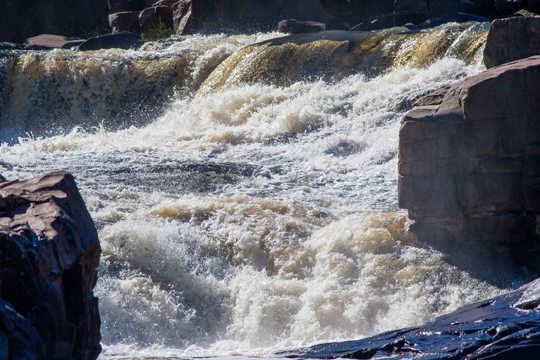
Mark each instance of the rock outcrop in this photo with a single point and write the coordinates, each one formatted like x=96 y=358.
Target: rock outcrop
x=469 y=163
x=512 y=39
x=49 y=252
x=505 y=327
x=190 y=16
x=47 y=41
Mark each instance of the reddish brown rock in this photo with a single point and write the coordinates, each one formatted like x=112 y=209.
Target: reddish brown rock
x=47 y=41
x=469 y=158
x=511 y=39
x=49 y=255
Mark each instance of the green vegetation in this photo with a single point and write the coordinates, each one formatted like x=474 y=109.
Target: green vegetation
x=158 y=32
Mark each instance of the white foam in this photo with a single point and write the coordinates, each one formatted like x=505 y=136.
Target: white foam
x=306 y=249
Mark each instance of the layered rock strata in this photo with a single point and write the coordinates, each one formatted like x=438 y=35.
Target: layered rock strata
x=49 y=253
x=469 y=162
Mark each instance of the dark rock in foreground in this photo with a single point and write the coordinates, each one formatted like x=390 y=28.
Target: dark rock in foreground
x=49 y=252
x=505 y=327
x=469 y=163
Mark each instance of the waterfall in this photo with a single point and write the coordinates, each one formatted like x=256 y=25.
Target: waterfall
x=254 y=209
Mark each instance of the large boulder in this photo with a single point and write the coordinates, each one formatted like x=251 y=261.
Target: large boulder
x=505 y=327
x=21 y=19
x=49 y=253
x=511 y=39
x=469 y=162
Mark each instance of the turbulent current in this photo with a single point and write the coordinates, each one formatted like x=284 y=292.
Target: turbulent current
x=256 y=211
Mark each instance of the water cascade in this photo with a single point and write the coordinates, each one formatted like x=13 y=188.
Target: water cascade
x=258 y=212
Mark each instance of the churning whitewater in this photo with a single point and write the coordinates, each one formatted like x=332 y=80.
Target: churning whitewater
x=256 y=214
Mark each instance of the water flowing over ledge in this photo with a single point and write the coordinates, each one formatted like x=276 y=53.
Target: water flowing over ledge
x=55 y=91
x=260 y=214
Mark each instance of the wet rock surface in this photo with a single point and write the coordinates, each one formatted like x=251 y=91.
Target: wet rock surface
x=49 y=254
x=469 y=164
x=121 y=40
x=505 y=327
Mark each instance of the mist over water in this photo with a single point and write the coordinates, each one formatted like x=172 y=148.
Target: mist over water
x=259 y=215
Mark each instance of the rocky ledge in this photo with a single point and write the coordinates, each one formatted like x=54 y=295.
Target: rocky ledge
x=469 y=163
x=505 y=327
x=49 y=252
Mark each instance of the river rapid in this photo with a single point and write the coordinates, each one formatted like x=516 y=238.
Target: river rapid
x=256 y=209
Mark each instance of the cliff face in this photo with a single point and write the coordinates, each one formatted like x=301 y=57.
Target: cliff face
x=469 y=161
x=49 y=253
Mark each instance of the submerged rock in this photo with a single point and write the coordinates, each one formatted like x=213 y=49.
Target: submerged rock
x=505 y=327
x=511 y=39
x=469 y=163
x=49 y=254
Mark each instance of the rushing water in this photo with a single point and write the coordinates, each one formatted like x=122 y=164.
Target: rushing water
x=259 y=211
